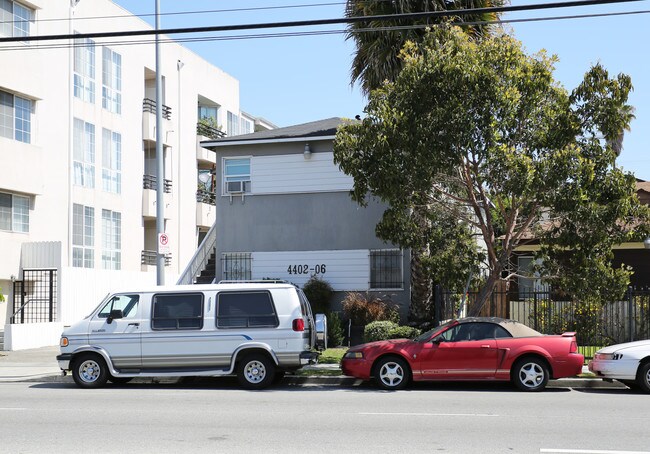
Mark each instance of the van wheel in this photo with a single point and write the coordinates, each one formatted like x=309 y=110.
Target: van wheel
x=90 y=371
x=255 y=372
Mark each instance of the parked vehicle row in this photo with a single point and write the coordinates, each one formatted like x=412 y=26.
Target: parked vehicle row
x=261 y=330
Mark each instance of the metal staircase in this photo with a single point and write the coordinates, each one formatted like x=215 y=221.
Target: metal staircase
x=201 y=268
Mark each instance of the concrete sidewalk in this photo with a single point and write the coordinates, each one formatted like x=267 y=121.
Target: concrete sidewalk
x=40 y=363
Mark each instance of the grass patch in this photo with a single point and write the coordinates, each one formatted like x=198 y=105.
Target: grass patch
x=318 y=372
x=332 y=355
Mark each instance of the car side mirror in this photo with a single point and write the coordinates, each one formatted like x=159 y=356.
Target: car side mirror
x=438 y=339
x=115 y=314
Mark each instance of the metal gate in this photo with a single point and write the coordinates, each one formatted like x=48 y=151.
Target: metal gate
x=35 y=297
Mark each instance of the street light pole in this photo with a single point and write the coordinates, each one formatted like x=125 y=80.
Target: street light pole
x=160 y=160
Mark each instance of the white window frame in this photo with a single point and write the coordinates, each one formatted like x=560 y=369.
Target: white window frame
x=84 y=153
x=83 y=236
x=245 y=178
x=13 y=22
x=371 y=281
x=16 y=117
x=246 y=126
x=111 y=240
x=17 y=214
x=84 y=69
x=111 y=161
x=232 y=124
x=111 y=81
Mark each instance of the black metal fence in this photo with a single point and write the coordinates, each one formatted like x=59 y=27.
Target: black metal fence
x=597 y=324
x=35 y=297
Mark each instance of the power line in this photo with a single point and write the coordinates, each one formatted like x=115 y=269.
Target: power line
x=180 y=13
x=319 y=32
x=347 y=20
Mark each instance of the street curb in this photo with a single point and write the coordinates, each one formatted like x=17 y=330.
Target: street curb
x=325 y=380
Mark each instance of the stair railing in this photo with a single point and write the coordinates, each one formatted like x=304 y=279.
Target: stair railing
x=200 y=258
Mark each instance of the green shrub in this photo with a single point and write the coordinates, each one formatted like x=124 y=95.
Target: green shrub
x=386 y=329
x=335 y=332
x=319 y=293
x=364 y=309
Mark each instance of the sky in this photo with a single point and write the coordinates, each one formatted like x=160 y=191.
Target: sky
x=293 y=80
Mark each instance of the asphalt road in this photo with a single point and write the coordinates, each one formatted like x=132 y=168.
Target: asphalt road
x=217 y=416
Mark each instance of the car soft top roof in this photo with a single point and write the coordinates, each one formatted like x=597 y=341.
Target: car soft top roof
x=513 y=327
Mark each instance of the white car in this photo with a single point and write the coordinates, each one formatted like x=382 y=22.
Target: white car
x=628 y=363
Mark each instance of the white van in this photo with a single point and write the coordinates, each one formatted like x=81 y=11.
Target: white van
x=257 y=330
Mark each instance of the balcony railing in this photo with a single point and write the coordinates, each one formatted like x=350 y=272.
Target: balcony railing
x=203 y=196
x=209 y=132
x=149 y=105
x=151 y=182
x=149 y=258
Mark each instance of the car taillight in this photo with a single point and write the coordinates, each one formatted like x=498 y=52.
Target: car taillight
x=574 y=347
x=299 y=324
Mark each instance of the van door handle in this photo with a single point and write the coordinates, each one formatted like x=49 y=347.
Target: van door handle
x=134 y=324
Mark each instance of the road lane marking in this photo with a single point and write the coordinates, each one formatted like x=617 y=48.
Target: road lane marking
x=10 y=408
x=589 y=451
x=429 y=414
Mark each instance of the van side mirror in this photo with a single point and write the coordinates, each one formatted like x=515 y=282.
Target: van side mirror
x=321 y=331
x=115 y=314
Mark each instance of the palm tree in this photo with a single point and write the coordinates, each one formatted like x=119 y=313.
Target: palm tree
x=377 y=60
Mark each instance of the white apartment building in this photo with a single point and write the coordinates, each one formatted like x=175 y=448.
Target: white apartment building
x=77 y=161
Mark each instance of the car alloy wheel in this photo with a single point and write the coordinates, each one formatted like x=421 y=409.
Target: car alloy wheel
x=643 y=377
x=530 y=374
x=392 y=373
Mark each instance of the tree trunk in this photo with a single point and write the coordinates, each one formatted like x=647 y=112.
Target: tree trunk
x=485 y=293
x=420 y=309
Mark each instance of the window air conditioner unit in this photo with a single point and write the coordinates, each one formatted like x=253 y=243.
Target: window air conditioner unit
x=234 y=187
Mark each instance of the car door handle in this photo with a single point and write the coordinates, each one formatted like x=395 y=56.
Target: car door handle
x=134 y=324
x=485 y=346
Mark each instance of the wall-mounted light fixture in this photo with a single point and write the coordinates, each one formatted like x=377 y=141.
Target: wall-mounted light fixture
x=307 y=152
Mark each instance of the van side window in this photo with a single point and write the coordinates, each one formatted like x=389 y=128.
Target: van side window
x=246 y=310
x=177 y=311
x=127 y=303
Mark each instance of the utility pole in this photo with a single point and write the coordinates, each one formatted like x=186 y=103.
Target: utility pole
x=160 y=160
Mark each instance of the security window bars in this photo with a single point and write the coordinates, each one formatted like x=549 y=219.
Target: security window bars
x=15 y=19
x=14 y=213
x=236 y=266
x=84 y=153
x=246 y=310
x=84 y=69
x=111 y=240
x=16 y=117
x=111 y=161
x=111 y=81
x=386 y=269
x=83 y=236
x=236 y=175
x=177 y=311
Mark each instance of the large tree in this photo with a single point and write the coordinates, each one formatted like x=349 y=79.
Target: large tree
x=480 y=132
x=379 y=43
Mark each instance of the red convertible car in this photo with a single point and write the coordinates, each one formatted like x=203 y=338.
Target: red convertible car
x=468 y=349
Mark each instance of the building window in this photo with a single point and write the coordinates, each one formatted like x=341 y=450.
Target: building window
x=15 y=19
x=111 y=81
x=14 y=213
x=84 y=153
x=386 y=269
x=83 y=236
x=246 y=126
x=177 y=311
x=528 y=282
x=112 y=240
x=16 y=117
x=84 y=69
x=236 y=266
x=236 y=175
x=233 y=124
x=209 y=112
x=111 y=161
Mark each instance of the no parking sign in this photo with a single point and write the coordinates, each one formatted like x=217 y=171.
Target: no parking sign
x=163 y=244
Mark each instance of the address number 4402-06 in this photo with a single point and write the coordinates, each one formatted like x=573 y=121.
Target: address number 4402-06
x=306 y=269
